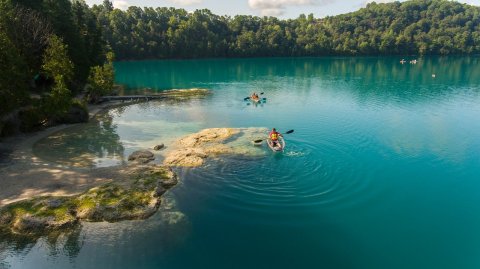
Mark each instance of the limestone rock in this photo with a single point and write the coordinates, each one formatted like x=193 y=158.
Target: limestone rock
x=160 y=190
x=40 y=223
x=29 y=223
x=137 y=201
x=170 y=180
x=207 y=135
x=86 y=213
x=53 y=203
x=141 y=156
x=159 y=147
x=136 y=195
x=188 y=157
x=194 y=149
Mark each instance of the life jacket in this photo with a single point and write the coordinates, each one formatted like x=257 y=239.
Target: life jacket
x=274 y=136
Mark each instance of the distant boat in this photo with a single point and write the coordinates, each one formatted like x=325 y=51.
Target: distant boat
x=414 y=61
x=403 y=61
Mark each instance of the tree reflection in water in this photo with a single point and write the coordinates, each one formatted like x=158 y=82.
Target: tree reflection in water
x=65 y=243
x=84 y=145
x=166 y=230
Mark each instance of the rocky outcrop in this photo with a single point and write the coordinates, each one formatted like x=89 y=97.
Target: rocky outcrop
x=194 y=149
x=39 y=214
x=141 y=156
x=188 y=157
x=213 y=135
x=137 y=196
x=159 y=147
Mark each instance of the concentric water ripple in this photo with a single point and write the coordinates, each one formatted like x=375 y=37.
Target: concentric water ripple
x=314 y=179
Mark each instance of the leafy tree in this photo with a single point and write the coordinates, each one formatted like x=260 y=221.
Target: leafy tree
x=56 y=64
x=101 y=79
x=56 y=61
x=13 y=86
x=54 y=43
x=29 y=31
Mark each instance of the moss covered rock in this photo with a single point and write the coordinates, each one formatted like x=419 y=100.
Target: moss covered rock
x=39 y=215
x=137 y=196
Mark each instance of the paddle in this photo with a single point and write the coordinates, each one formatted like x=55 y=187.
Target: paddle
x=260 y=140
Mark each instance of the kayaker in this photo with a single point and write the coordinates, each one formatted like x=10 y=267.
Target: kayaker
x=274 y=135
x=254 y=96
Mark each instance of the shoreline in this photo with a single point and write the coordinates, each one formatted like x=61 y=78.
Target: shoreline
x=23 y=175
x=38 y=196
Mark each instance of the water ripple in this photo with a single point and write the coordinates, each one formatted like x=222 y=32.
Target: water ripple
x=304 y=177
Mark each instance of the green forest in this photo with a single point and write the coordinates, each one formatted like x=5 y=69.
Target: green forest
x=420 y=27
x=50 y=50
x=54 y=50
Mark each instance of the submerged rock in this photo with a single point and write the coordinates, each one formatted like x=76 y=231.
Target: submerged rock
x=182 y=94
x=136 y=196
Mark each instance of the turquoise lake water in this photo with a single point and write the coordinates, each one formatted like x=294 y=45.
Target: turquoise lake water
x=382 y=171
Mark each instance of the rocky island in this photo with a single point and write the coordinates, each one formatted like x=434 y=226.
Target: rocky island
x=135 y=194
x=192 y=150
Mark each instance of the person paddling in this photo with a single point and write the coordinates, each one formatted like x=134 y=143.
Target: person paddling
x=274 y=135
x=254 y=96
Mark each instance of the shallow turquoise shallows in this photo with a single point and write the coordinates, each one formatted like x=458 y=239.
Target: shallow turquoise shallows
x=382 y=171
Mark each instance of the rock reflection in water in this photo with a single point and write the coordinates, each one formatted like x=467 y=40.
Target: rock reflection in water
x=169 y=228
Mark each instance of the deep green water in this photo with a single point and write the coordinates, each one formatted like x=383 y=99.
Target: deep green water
x=382 y=171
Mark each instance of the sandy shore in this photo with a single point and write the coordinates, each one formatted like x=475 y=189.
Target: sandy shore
x=22 y=175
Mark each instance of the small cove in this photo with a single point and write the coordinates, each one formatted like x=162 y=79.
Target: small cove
x=381 y=171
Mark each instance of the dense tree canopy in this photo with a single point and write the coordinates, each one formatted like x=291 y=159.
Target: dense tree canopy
x=412 y=27
x=52 y=48
x=47 y=48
